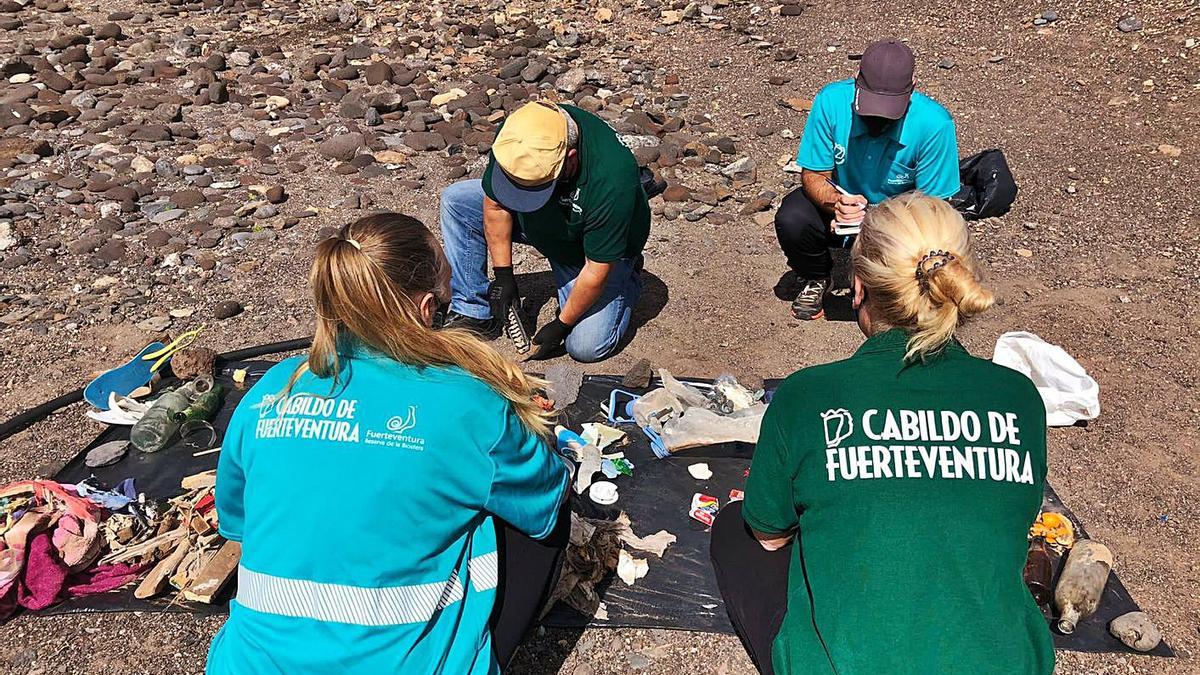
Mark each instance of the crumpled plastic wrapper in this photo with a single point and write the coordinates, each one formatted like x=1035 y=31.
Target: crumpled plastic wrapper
x=631 y=569
x=594 y=552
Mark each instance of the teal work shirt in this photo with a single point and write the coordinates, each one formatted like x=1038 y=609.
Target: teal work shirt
x=919 y=152
x=366 y=519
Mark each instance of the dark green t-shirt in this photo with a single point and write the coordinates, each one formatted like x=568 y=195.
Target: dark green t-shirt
x=913 y=488
x=602 y=214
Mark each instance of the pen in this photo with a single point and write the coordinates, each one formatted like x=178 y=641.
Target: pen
x=837 y=187
x=844 y=191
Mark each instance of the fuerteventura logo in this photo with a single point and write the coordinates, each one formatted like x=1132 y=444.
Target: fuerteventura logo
x=399 y=425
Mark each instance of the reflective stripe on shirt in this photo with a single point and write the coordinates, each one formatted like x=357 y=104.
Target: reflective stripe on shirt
x=485 y=572
x=387 y=606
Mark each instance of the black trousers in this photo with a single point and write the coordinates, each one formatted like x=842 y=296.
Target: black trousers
x=804 y=235
x=529 y=571
x=753 y=583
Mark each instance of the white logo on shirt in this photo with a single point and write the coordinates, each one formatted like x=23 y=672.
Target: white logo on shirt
x=839 y=153
x=399 y=425
x=839 y=424
x=945 y=444
x=398 y=433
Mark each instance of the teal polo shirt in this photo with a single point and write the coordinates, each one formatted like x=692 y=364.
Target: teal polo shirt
x=919 y=152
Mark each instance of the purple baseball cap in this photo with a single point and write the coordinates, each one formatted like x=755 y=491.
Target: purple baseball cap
x=885 y=80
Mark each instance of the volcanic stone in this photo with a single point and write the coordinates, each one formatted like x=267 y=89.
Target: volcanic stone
x=54 y=81
x=534 y=71
x=112 y=251
x=676 y=193
x=424 y=140
x=378 y=73
x=342 y=147
x=186 y=199
x=227 y=309
x=109 y=31
x=513 y=68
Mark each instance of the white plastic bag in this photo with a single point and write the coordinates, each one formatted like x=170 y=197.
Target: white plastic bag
x=1070 y=394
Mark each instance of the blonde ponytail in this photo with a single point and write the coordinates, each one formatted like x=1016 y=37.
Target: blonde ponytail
x=915 y=259
x=366 y=284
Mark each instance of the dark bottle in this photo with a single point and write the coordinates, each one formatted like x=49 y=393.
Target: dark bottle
x=1039 y=571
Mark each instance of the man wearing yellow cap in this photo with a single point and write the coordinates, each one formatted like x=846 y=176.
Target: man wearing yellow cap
x=560 y=180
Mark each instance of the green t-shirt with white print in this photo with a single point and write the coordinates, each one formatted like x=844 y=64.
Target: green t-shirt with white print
x=912 y=487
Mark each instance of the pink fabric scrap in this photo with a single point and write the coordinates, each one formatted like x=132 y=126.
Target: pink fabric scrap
x=102 y=579
x=45 y=574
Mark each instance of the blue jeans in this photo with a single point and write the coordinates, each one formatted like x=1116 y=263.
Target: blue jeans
x=595 y=337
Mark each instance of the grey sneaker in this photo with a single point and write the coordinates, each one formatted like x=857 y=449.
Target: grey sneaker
x=810 y=301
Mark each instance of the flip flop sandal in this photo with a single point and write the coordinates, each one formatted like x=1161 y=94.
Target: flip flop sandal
x=126 y=379
x=122 y=380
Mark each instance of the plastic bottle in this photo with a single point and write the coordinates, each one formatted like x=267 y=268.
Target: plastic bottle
x=1082 y=582
x=158 y=426
x=1039 y=571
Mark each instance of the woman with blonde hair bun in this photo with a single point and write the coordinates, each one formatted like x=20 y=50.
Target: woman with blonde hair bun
x=398 y=507
x=922 y=274
x=890 y=495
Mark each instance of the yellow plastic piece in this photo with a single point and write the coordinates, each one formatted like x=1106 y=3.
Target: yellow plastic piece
x=163 y=355
x=1055 y=528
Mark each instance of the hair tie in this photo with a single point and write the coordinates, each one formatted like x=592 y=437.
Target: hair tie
x=943 y=258
x=353 y=242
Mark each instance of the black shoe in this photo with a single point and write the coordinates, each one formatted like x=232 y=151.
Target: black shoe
x=650 y=183
x=810 y=301
x=486 y=329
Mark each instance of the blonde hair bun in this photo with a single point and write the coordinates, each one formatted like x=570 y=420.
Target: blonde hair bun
x=915 y=258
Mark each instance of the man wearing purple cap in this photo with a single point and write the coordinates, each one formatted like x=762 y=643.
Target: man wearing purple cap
x=866 y=139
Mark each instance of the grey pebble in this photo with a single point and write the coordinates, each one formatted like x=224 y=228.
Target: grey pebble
x=167 y=216
x=1129 y=24
x=106 y=454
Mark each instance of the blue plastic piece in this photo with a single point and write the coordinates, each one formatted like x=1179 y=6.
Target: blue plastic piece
x=613 y=406
x=122 y=380
x=566 y=437
x=656 y=443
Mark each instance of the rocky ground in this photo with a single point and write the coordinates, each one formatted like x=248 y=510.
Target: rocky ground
x=166 y=164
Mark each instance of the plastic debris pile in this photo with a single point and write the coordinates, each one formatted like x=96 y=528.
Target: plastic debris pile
x=60 y=541
x=596 y=550
x=678 y=415
x=53 y=536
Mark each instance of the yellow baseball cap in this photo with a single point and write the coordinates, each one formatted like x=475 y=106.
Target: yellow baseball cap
x=529 y=151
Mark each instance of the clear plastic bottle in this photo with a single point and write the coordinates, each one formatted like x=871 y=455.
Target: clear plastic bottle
x=158 y=426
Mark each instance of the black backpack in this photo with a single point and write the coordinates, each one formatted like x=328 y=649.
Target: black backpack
x=988 y=188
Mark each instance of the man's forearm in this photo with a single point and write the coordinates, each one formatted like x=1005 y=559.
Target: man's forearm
x=817 y=187
x=587 y=290
x=498 y=232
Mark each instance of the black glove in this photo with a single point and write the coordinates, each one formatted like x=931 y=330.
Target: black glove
x=502 y=293
x=549 y=338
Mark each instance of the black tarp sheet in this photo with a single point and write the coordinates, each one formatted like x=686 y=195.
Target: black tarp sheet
x=679 y=592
